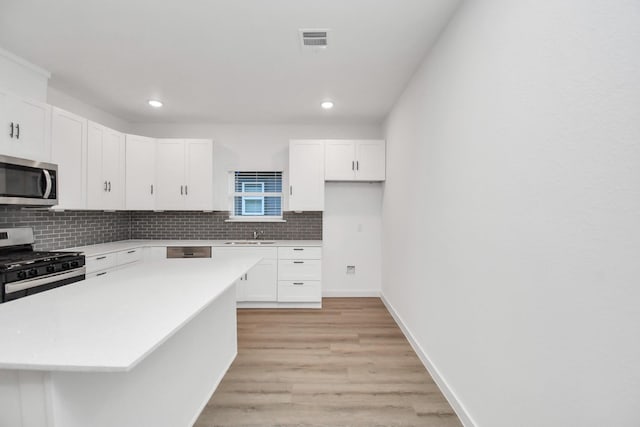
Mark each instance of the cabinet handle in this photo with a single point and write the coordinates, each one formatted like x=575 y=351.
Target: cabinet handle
x=353 y=165
x=100 y=257
x=105 y=186
x=181 y=190
x=298 y=249
x=298 y=262
x=109 y=186
x=151 y=188
x=291 y=190
x=131 y=252
x=357 y=165
x=298 y=283
x=186 y=190
x=101 y=274
x=245 y=276
x=11 y=133
x=17 y=130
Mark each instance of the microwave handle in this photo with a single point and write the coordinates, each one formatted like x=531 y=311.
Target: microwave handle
x=47 y=178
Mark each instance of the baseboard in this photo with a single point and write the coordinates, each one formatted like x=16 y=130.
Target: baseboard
x=350 y=293
x=448 y=393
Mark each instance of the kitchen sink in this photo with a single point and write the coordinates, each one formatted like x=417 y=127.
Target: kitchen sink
x=251 y=242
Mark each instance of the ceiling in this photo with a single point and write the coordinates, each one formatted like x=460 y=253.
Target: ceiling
x=226 y=61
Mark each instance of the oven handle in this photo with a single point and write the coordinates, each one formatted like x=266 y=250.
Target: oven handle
x=47 y=178
x=32 y=283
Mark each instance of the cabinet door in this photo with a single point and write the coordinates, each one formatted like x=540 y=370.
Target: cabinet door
x=199 y=170
x=261 y=283
x=241 y=290
x=170 y=174
x=96 y=184
x=5 y=123
x=370 y=160
x=140 y=173
x=34 y=133
x=306 y=175
x=69 y=152
x=339 y=161
x=113 y=168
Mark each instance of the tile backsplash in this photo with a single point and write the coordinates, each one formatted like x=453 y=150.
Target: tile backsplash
x=212 y=225
x=55 y=230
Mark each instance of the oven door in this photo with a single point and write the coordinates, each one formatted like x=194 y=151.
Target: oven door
x=15 y=290
x=26 y=182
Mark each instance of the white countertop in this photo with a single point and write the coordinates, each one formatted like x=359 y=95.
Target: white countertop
x=111 y=323
x=124 y=245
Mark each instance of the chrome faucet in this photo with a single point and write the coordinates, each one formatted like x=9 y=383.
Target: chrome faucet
x=257 y=234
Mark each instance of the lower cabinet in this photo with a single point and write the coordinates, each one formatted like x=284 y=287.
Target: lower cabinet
x=300 y=274
x=100 y=265
x=259 y=284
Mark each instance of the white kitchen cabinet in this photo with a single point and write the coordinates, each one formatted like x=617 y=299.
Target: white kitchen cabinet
x=306 y=175
x=184 y=174
x=105 y=168
x=102 y=264
x=140 y=175
x=260 y=284
x=26 y=128
x=300 y=274
x=354 y=160
x=69 y=152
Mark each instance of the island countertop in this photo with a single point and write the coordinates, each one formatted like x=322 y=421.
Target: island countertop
x=111 y=323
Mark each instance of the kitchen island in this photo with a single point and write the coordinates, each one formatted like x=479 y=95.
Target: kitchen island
x=146 y=345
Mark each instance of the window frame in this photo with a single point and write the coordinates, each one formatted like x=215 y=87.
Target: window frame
x=253 y=217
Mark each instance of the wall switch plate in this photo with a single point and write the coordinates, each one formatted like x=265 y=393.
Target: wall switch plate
x=351 y=269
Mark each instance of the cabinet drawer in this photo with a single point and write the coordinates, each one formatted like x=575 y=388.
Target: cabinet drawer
x=298 y=270
x=300 y=252
x=101 y=262
x=97 y=274
x=299 y=291
x=129 y=256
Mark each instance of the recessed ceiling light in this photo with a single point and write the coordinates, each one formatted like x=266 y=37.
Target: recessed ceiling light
x=155 y=103
x=327 y=105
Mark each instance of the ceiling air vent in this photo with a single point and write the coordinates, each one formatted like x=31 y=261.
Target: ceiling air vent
x=317 y=39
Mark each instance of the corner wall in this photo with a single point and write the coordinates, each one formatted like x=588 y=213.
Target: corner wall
x=511 y=212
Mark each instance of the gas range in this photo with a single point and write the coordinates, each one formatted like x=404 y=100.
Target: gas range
x=24 y=271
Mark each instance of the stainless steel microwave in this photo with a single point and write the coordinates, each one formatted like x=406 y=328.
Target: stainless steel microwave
x=27 y=182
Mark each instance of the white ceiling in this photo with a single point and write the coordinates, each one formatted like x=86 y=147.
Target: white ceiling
x=223 y=61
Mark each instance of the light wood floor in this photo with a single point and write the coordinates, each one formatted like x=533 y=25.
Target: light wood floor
x=345 y=365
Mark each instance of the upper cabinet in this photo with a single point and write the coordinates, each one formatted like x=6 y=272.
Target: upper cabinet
x=140 y=176
x=26 y=128
x=354 y=160
x=306 y=175
x=184 y=174
x=69 y=152
x=105 y=168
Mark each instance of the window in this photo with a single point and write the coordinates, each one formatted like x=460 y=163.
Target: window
x=257 y=195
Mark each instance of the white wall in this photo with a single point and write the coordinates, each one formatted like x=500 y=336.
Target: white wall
x=352 y=232
x=348 y=207
x=22 y=78
x=511 y=211
x=81 y=108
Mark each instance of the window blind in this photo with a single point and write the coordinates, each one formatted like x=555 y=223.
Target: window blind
x=257 y=194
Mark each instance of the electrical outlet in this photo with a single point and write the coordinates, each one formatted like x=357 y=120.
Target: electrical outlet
x=351 y=269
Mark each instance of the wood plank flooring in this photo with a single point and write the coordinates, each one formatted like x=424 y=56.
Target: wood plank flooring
x=347 y=364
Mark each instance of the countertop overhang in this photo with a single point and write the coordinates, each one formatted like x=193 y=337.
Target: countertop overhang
x=111 y=323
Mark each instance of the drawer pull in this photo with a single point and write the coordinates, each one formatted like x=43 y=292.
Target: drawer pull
x=101 y=258
x=298 y=249
x=101 y=274
x=298 y=283
x=131 y=252
x=298 y=262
